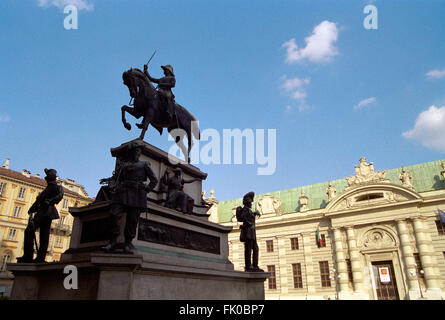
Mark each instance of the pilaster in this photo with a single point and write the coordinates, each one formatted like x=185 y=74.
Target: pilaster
x=307 y=249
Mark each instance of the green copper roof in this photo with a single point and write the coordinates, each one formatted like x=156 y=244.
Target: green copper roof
x=426 y=177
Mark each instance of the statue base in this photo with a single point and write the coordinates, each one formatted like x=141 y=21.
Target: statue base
x=130 y=277
x=177 y=257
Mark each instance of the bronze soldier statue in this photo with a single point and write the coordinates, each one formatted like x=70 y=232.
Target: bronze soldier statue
x=248 y=233
x=177 y=199
x=165 y=85
x=128 y=192
x=45 y=213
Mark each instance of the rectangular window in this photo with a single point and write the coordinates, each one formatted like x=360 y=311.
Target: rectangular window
x=418 y=265
x=294 y=243
x=65 y=204
x=269 y=245
x=298 y=279
x=440 y=227
x=349 y=268
x=324 y=274
x=272 y=281
x=2 y=188
x=62 y=220
x=17 y=211
x=21 y=195
x=11 y=234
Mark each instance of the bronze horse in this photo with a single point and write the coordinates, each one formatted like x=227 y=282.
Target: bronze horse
x=147 y=105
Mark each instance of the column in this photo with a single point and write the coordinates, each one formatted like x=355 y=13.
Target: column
x=356 y=265
x=283 y=267
x=308 y=240
x=425 y=254
x=342 y=269
x=407 y=253
x=433 y=252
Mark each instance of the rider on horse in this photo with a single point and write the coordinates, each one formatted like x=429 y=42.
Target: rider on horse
x=165 y=85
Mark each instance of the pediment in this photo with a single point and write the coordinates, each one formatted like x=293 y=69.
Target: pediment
x=371 y=195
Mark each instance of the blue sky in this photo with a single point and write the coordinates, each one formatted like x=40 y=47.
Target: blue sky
x=340 y=93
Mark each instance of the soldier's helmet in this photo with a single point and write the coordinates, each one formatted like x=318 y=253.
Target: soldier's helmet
x=249 y=195
x=169 y=68
x=51 y=174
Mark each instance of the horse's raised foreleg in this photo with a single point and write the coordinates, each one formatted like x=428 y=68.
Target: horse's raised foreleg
x=145 y=123
x=124 y=121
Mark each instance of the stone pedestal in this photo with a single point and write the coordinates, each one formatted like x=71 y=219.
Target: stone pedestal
x=124 y=277
x=178 y=256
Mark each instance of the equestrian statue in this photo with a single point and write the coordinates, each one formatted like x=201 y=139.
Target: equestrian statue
x=158 y=107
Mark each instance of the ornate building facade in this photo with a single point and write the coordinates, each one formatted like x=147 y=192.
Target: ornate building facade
x=18 y=191
x=374 y=235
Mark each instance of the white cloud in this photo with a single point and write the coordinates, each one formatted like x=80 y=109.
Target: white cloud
x=429 y=128
x=436 y=74
x=5 y=118
x=295 y=87
x=362 y=104
x=320 y=45
x=79 y=4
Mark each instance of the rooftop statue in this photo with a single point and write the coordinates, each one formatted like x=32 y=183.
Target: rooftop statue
x=364 y=173
x=158 y=107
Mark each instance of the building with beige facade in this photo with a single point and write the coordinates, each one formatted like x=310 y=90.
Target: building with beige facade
x=374 y=235
x=18 y=191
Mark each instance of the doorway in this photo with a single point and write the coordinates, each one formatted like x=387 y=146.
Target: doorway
x=386 y=286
